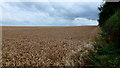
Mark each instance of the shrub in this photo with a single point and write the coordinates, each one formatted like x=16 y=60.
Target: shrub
x=106 y=54
x=112 y=29
x=107 y=45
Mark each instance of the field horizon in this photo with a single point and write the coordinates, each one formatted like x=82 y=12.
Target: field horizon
x=53 y=26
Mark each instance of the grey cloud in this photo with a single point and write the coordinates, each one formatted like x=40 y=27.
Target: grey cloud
x=73 y=10
x=64 y=10
x=50 y=13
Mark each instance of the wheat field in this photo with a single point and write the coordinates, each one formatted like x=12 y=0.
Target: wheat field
x=45 y=46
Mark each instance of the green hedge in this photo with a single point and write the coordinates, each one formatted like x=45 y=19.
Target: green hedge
x=107 y=45
x=111 y=29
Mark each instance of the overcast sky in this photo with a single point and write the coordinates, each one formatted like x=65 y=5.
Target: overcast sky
x=49 y=13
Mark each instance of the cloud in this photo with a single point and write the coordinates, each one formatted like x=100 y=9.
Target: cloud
x=49 y=13
x=84 y=21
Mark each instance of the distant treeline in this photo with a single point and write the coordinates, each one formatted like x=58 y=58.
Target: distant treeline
x=107 y=43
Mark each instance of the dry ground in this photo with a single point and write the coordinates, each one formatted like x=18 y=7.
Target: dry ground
x=44 y=46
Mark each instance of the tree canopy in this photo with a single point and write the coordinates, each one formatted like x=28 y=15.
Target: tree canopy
x=106 y=11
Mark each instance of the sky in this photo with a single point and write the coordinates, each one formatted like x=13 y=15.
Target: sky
x=49 y=13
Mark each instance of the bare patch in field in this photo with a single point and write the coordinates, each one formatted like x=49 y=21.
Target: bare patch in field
x=45 y=46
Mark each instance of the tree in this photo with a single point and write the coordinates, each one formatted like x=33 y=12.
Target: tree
x=106 y=11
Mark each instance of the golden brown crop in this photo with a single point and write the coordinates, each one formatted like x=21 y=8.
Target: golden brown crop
x=43 y=46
